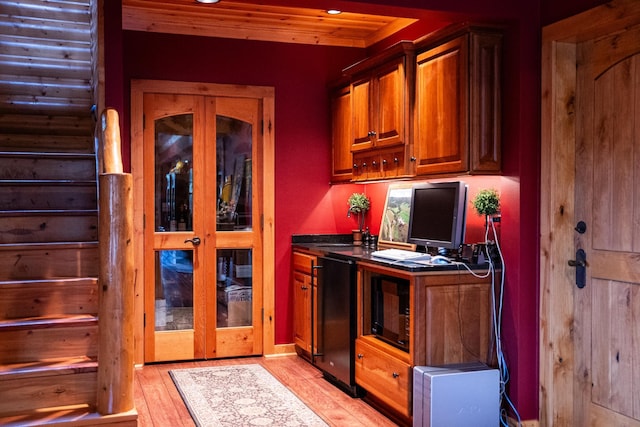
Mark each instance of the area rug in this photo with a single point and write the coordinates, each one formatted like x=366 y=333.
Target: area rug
x=240 y=395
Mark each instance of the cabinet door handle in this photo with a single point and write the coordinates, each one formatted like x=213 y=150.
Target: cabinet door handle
x=395 y=375
x=360 y=355
x=374 y=163
x=372 y=133
x=304 y=288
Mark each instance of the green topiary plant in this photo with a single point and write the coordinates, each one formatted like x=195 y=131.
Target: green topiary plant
x=359 y=204
x=487 y=202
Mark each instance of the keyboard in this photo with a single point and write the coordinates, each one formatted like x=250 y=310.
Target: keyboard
x=400 y=255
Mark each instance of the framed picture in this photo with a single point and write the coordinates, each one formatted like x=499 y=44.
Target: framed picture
x=394 y=229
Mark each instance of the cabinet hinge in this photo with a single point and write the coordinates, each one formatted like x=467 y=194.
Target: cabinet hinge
x=144 y=221
x=144 y=122
x=144 y=320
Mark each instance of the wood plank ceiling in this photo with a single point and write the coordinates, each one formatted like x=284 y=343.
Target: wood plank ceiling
x=238 y=20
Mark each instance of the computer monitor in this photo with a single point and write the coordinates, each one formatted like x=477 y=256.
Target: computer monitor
x=438 y=217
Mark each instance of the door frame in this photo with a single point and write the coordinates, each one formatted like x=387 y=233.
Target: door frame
x=266 y=95
x=557 y=206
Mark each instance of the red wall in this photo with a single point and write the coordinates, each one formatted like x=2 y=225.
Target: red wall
x=306 y=203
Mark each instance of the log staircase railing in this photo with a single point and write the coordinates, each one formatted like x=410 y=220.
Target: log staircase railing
x=116 y=287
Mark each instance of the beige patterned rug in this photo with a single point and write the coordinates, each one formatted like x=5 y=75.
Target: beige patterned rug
x=240 y=395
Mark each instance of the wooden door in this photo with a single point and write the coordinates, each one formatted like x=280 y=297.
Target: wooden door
x=590 y=325
x=202 y=237
x=607 y=200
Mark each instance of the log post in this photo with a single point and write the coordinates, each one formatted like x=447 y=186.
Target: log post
x=116 y=295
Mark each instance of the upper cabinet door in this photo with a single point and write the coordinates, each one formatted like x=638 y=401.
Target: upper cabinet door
x=390 y=104
x=341 y=135
x=380 y=91
x=458 y=108
x=361 y=115
x=441 y=133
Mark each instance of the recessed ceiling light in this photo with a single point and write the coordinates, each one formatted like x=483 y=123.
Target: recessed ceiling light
x=334 y=12
x=208 y=1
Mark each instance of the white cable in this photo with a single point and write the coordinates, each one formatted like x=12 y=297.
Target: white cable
x=497 y=321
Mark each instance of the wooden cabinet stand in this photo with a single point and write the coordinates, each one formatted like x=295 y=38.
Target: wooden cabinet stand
x=449 y=322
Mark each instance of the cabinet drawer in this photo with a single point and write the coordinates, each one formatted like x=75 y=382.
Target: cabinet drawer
x=302 y=262
x=384 y=376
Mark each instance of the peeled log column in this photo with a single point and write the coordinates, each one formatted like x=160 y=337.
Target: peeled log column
x=116 y=293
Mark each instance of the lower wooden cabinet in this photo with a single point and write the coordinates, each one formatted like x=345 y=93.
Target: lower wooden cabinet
x=449 y=321
x=304 y=295
x=386 y=376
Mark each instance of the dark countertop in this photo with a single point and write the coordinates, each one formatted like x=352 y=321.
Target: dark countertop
x=341 y=246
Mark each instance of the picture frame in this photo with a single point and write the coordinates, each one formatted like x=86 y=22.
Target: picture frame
x=394 y=227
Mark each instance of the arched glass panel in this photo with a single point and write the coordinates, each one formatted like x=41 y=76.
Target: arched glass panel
x=234 y=174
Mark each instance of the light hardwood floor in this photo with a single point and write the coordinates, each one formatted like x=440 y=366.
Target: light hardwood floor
x=159 y=404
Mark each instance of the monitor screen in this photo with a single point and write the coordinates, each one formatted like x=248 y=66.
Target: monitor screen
x=438 y=215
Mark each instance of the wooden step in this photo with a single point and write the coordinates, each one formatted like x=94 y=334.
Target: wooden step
x=46 y=388
x=46 y=226
x=48 y=194
x=39 y=298
x=33 y=261
x=46 y=338
x=71 y=416
x=46 y=143
x=44 y=368
x=55 y=166
x=45 y=124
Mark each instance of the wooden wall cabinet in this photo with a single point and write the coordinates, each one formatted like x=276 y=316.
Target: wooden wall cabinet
x=304 y=294
x=450 y=322
x=341 y=134
x=381 y=95
x=457 y=125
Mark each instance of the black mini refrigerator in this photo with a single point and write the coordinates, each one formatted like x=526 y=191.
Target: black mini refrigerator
x=336 y=317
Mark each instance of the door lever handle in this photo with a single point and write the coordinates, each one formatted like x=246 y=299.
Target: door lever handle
x=580 y=263
x=195 y=241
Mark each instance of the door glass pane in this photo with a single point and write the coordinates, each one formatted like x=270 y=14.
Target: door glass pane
x=234 y=287
x=173 y=173
x=174 y=290
x=233 y=173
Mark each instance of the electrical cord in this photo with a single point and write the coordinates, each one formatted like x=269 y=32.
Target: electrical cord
x=497 y=321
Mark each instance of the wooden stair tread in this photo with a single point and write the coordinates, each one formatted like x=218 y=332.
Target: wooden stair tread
x=47 y=322
x=48 y=246
x=47 y=155
x=52 y=212
x=46 y=182
x=71 y=416
x=41 y=368
x=58 y=281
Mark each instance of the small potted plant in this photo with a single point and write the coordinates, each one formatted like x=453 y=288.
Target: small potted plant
x=359 y=204
x=487 y=203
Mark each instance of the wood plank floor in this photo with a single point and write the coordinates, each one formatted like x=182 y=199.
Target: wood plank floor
x=159 y=404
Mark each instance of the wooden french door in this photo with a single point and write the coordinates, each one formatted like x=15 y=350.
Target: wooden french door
x=202 y=226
